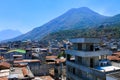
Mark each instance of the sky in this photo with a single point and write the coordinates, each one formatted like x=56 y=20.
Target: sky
x=25 y=15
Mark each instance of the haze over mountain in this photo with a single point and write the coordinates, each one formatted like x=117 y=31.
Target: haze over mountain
x=8 y=34
x=113 y=20
x=76 y=18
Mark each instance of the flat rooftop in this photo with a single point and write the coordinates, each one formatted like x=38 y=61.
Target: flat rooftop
x=18 y=73
x=4 y=73
x=107 y=68
x=3 y=78
x=85 y=40
x=43 y=78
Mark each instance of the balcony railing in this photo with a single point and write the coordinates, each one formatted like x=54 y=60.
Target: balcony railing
x=73 y=76
x=77 y=77
x=87 y=69
x=88 y=53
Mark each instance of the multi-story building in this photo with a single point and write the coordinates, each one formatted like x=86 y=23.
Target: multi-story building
x=88 y=61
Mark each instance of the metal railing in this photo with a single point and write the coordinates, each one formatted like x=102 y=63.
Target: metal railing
x=88 y=53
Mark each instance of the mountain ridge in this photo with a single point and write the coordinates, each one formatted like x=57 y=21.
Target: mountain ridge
x=8 y=33
x=75 y=18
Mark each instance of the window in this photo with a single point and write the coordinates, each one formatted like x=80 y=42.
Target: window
x=79 y=46
x=79 y=60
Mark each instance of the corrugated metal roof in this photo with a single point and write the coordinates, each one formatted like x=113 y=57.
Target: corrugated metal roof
x=13 y=76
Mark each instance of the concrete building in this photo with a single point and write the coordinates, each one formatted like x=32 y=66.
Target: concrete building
x=88 y=61
x=8 y=72
x=33 y=64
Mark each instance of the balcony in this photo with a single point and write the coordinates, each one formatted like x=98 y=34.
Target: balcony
x=88 y=53
x=74 y=77
x=86 y=69
x=77 y=77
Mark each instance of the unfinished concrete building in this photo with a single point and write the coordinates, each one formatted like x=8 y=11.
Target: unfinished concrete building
x=88 y=61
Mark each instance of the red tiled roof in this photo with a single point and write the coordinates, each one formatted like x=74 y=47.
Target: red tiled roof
x=3 y=78
x=19 y=65
x=46 y=78
x=113 y=58
x=1 y=57
x=51 y=57
x=117 y=53
x=4 y=65
x=60 y=60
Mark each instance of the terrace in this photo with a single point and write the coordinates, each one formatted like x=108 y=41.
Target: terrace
x=107 y=68
x=21 y=73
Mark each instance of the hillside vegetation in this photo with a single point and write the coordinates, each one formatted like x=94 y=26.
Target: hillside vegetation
x=108 y=31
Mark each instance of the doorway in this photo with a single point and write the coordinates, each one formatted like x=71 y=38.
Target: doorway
x=91 y=62
x=91 y=47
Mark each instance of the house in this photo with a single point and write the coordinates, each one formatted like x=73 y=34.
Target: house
x=20 y=73
x=4 y=65
x=51 y=59
x=115 y=57
x=12 y=54
x=33 y=64
x=4 y=70
x=3 y=50
x=28 y=54
x=56 y=66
